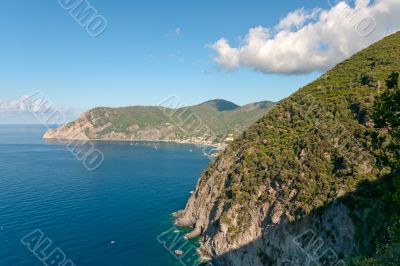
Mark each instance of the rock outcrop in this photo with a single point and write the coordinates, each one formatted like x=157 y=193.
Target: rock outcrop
x=211 y=123
x=276 y=195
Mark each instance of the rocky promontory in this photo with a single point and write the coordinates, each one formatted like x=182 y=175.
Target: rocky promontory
x=213 y=123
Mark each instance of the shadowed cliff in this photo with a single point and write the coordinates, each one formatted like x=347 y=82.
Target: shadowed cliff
x=365 y=216
x=285 y=174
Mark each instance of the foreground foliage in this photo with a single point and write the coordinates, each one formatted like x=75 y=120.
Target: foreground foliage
x=335 y=139
x=379 y=226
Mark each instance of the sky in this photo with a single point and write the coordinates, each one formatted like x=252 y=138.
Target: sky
x=242 y=51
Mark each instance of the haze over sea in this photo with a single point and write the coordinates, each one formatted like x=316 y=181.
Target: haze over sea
x=111 y=216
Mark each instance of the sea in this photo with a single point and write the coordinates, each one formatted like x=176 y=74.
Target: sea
x=54 y=211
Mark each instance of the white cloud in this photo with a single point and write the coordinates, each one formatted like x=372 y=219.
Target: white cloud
x=13 y=105
x=298 y=18
x=227 y=56
x=312 y=40
x=23 y=111
x=175 y=33
x=178 y=32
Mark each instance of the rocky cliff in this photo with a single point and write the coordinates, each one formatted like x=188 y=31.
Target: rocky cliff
x=276 y=195
x=212 y=122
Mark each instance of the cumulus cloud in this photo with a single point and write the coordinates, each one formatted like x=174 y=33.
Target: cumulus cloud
x=306 y=41
x=298 y=18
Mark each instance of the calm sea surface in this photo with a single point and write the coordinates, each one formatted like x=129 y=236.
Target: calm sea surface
x=111 y=216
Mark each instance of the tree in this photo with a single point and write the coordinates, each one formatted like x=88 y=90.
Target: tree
x=386 y=117
x=393 y=81
x=382 y=212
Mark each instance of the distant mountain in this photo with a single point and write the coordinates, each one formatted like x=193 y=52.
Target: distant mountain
x=212 y=122
x=220 y=105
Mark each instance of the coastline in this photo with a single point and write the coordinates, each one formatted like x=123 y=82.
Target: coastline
x=218 y=146
x=191 y=235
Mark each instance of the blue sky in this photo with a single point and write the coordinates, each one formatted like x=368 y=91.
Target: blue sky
x=140 y=59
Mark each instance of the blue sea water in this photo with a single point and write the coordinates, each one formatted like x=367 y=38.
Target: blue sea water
x=110 y=216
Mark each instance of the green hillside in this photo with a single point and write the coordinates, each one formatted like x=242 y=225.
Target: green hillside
x=307 y=154
x=306 y=126
x=213 y=120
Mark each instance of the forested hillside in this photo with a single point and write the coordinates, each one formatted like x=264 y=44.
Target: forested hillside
x=208 y=123
x=312 y=164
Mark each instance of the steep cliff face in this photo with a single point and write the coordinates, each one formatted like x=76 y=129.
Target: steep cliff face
x=274 y=197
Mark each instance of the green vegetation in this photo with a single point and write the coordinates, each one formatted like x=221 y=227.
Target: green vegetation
x=321 y=144
x=378 y=222
x=387 y=120
x=213 y=118
x=225 y=117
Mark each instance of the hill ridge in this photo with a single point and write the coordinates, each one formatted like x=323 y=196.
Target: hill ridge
x=269 y=186
x=211 y=123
